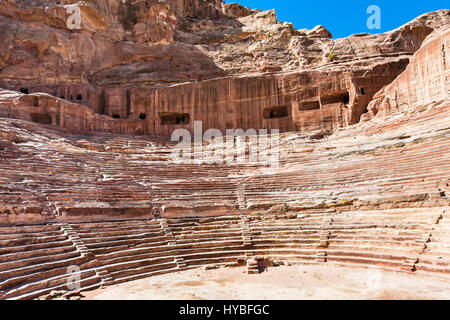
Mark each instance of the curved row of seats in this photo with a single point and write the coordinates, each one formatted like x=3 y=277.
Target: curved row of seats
x=320 y=184
x=35 y=259
x=396 y=161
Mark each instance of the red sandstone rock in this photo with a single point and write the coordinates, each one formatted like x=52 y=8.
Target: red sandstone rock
x=114 y=66
x=75 y=144
x=424 y=82
x=320 y=32
x=235 y=10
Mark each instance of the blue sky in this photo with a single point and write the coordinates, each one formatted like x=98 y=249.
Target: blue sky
x=343 y=18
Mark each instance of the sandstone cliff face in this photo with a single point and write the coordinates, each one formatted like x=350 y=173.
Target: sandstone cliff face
x=425 y=81
x=74 y=168
x=223 y=64
x=51 y=172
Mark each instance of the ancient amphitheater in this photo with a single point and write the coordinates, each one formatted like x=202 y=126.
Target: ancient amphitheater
x=86 y=117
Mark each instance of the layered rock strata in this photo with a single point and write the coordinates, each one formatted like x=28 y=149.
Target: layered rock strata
x=80 y=187
x=143 y=62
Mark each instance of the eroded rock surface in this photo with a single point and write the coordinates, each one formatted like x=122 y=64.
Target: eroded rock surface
x=87 y=177
x=140 y=61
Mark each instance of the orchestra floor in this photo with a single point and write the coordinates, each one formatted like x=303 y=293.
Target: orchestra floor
x=297 y=282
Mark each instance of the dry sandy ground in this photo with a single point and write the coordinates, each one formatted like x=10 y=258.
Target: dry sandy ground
x=285 y=282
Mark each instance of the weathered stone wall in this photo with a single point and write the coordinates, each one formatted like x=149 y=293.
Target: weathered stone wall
x=181 y=61
x=245 y=102
x=48 y=110
x=79 y=93
x=425 y=81
x=303 y=101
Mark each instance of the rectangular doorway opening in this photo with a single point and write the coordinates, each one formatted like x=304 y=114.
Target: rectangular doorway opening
x=35 y=102
x=42 y=118
x=339 y=97
x=174 y=118
x=276 y=112
x=309 y=105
